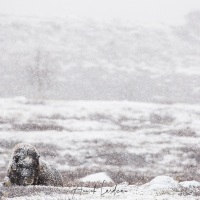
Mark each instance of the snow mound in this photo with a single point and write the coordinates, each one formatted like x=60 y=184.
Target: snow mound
x=21 y=99
x=188 y=184
x=161 y=182
x=98 y=177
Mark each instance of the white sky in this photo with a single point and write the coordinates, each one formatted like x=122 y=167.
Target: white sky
x=149 y=11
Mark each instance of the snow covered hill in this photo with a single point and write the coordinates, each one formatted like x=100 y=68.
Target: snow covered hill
x=85 y=59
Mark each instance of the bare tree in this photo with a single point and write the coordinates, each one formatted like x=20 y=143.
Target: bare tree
x=42 y=73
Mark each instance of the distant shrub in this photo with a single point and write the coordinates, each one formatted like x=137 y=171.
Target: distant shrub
x=37 y=127
x=161 y=118
x=185 y=132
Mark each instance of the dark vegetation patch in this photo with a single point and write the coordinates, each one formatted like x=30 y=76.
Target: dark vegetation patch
x=120 y=159
x=47 y=150
x=161 y=118
x=133 y=125
x=113 y=159
x=58 y=116
x=18 y=191
x=6 y=120
x=2 y=174
x=132 y=178
x=189 y=173
x=192 y=152
x=36 y=127
x=130 y=123
x=186 y=191
x=120 y=121
x=72 y=160
x=118 y=176
x=55 y=116
x=33 y=102
x=8 y=144
x=185 y=132
x=100 y=117
x=118 y=155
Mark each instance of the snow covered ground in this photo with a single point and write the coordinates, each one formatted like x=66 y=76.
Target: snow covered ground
x=160 y=188
x=128 y=141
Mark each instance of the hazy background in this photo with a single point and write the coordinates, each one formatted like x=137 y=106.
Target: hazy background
x=101 y=50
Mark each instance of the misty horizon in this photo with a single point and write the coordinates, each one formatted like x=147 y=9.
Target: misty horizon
x=88 y=60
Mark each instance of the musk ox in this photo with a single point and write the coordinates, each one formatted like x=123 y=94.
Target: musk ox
x=27 y=168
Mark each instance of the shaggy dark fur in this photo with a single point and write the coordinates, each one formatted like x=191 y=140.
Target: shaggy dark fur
x=26 y=168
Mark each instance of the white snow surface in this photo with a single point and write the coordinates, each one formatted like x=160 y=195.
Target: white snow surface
x=161 y=182
x=123 y=191
x=190 y=184
x=101 y=176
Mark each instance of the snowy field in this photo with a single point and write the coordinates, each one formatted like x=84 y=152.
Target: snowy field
x=128 y=142
x=160 y=188
x=145 y=145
